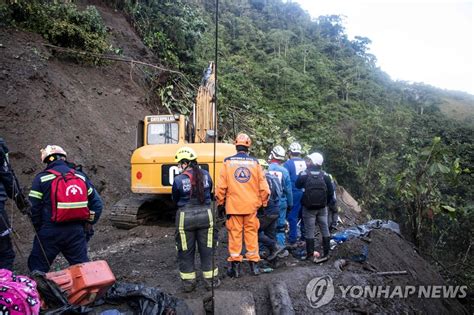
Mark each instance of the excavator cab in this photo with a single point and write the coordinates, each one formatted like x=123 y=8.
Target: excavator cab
x=161 y=129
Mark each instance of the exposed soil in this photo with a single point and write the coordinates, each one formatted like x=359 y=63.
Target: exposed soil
x=91 y=111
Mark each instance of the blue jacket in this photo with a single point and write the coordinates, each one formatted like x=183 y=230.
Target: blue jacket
x=40 y=196
x=284 y=177
x=181 y=190
x=295 y=166
x=273 y=206
x=6 y=177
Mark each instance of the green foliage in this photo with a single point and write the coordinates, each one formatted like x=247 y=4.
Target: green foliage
x=420 y=184
x=62 y=24
x=170 y=28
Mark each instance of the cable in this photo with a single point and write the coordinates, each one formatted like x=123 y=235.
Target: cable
x=215 y=147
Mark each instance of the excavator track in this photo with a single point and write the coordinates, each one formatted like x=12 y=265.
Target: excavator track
x=137 y=210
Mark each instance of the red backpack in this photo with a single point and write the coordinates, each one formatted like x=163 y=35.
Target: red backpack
x=68 y=197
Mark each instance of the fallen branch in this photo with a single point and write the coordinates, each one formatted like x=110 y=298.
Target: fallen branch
x=121 y=59
x=391 y=273
x=467 y=252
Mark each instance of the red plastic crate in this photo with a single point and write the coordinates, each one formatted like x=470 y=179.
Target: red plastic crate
x=84 y=283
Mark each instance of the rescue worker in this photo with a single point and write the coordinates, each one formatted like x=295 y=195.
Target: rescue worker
x=295 y=165
x=318 y=192
x=7 y=255
x=268 y=216
x=194 y=220
x=333 y=208
x=277 y=156
x=243 y=189
x=63 y=201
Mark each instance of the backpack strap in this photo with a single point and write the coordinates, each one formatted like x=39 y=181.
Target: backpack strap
x=189 y=174
x=54 y=172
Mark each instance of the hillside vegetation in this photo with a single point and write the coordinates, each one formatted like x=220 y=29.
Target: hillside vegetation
x=405 y=150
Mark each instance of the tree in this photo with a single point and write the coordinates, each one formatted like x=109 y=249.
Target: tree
x=419 y=184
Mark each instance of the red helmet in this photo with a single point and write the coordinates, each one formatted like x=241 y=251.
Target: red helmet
x=243 y=139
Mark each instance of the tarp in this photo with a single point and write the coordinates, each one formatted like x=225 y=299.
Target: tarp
x=364 y=229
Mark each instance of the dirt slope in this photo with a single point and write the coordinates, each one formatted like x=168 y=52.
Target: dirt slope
x=90 y=111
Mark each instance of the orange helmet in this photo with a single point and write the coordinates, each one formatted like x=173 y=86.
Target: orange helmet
x=243 y=139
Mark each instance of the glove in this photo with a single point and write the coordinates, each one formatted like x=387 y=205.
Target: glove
x=22 y=203
x=220 y=210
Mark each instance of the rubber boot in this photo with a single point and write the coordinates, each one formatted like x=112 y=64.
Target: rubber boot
x=209 y=283
x=234 y=271
x=277 y=249
x=254 y=270
x=189 y=285
x=309 y=248
x=326 y=248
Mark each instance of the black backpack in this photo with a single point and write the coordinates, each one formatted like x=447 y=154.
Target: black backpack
x=315 y=191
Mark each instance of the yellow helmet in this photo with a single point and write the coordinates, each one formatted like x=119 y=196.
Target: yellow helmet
x=185 y=153
x=51 y=150
x=263 y=163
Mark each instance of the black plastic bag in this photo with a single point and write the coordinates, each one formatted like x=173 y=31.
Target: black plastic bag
x=145 y=300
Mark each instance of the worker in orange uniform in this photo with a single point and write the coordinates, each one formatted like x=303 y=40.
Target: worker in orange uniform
x=243 y=189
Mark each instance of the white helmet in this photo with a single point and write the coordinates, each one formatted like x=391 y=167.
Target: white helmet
x=278 y=153
x=295 y=147
x=51 y=150
x=316 y=158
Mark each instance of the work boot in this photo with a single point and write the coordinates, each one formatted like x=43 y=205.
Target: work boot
x=189 y=285
x=254 y=270
x=277 y=249
x=210 y=282
x=326 y=245
x=283 y=254
x=234 y=270
x=309 y=248
x=325 y=257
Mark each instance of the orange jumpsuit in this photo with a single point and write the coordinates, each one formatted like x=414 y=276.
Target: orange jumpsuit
x=243 y=188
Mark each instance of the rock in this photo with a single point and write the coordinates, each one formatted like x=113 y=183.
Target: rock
x=196 y=306
x=234 y=303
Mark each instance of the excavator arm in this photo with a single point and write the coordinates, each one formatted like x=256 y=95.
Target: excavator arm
x=203 y=113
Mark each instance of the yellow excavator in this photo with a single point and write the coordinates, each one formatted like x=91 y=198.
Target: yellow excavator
x=152 y=164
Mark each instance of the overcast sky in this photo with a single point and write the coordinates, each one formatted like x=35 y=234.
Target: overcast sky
x=417 y=40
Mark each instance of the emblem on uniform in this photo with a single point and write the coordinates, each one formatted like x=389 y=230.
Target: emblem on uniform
x=242 y=174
